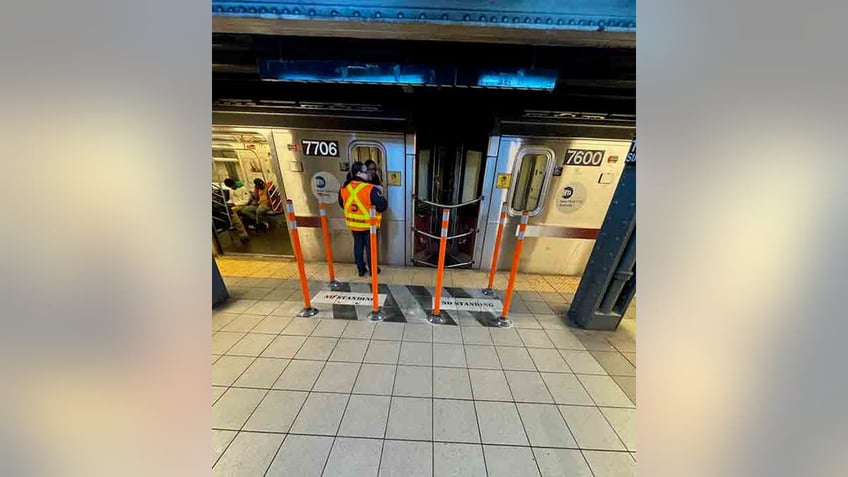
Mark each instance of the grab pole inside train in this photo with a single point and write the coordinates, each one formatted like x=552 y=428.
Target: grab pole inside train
x=308 y=309
x=495 y=254
x=325 y=228
x=503 y=320
x=376 y=313
x=435 y=317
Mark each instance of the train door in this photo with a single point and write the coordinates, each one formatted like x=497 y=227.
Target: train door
x=449 y=172
x=241 y=223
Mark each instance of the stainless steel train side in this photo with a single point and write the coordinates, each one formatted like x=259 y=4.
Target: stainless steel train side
x=567 y=198
x=387 y=149
x=297 y=170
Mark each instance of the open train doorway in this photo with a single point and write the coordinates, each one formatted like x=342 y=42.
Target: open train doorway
x=450 y=163
x=247 y=204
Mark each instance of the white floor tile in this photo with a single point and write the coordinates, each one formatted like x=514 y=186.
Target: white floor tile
x=503 y=461
x=406 y=459
x=545 y=426
x=365 y=416
x=375 y=379
x=299 y=375
x=590 y=429
x=414 y=381
x=301 y=456
x=611 y=464
x=383 y=352
x=528 y=386
x=352 y=457
x=227 y=369
x=276 y=412
x=458 y=460
x=249 y=454
x=320 y=414
x=489 y=384
x=561 y=463
x=337 y=377
x=455 y=421
x=624 y=423
x=352 y=350
x=284 y=347
x=500 y=424
x=451 y=383
x=604 y=391
x=410 y=418
x=416 y=353
x=317 y=348
x=566 y=389
x=448 y=355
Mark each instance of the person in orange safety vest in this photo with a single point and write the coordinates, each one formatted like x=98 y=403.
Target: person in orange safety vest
x=356 y=197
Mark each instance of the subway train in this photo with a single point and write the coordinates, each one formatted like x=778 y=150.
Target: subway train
x=561 y=168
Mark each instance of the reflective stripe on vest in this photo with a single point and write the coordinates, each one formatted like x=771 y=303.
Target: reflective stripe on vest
x=357 y=200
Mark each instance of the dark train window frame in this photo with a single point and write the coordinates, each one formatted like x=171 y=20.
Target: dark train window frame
x=371 y=144
x=546 y=180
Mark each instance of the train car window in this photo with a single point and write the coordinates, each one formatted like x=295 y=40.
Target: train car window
x=364 y=152
x=531 y=176
x=225 y=163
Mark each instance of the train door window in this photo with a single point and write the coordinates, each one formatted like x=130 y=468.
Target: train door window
x=225 y=164
x=368 y=151
x=531 y=176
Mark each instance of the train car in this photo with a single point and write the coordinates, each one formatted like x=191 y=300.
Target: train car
x=562 y=171
x=312 y=153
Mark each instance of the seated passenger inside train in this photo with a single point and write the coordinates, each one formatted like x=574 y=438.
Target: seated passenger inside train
x=258 y=205
x=237 y=197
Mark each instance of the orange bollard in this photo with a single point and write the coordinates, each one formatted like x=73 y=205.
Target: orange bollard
x=325 y=228
x=503 y=321
x=376 y=314
x=434 y=317
x=495 y=254
x=308 y=310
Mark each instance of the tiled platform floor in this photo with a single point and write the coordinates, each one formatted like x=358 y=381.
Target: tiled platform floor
x=328 y=396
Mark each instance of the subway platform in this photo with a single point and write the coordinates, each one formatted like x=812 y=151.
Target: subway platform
x=338 y=395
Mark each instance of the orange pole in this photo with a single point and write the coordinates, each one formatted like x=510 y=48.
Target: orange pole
x=375 y=314
x=519 y=243
x=440 y=270
x=497 y=251
x=325 y=228
x=308 y=310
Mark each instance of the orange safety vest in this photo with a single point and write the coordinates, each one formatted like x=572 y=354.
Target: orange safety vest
x=357 y=204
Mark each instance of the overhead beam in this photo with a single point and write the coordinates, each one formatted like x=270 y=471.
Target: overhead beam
x=423 y=31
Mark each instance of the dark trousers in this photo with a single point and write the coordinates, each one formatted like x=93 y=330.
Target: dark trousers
x=362 y=249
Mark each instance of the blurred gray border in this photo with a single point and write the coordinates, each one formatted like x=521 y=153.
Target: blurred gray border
x=742 y=219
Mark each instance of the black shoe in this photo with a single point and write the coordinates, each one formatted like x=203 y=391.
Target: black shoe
x=362 y=272
x=378 y=271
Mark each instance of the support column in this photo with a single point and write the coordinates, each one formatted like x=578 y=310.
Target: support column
x=609 y=281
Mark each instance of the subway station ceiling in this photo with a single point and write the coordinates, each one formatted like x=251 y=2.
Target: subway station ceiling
x=511 y=57
x=605 y=23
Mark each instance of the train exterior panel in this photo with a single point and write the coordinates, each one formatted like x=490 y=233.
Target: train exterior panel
x=567 y=198
x=299 y=171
